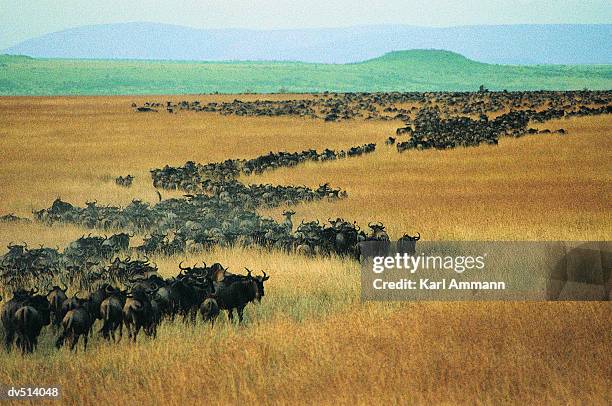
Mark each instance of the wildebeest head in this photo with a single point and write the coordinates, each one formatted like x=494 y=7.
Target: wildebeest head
x=407 y=237
x=378 y=231
x=259 y=281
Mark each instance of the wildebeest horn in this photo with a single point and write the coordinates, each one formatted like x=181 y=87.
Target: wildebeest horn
x=370 y=224
x=76 y=294
x=265 y=276
x=34 y=291
x=417 y=237
x=180 y=267
x=109 y=289
x=131 y=235
x=248 y=271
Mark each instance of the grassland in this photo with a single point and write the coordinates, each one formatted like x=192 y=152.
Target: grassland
x=417 y=70
x=311 y=340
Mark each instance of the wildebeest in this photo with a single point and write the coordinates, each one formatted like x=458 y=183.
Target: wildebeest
x=29 y=320
x=237 y=291
x=116 y=243
x=209 y=309
x=111 y=312
x=56 y=298
x=38 y=304
x=288 y=223
x=97 y=297
x=407 y=244
x=76 y=323
x=404 y=130
x=138 y=313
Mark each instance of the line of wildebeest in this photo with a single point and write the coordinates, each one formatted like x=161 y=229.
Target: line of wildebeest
x=219 y=210
x=438 y=120
x=123 y=286
x=145 y=301
x=395 y=105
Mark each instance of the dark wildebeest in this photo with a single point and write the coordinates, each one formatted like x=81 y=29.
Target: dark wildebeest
x=56 y=298
x=97 y=297
x=209 y=309
x=407 y=244
x=237 y=293
x=20 y=299
x=29 y=321
x=138 y=313
x=111 y=311
x=76 y=323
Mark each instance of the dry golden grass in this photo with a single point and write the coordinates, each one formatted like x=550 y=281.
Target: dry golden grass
x=311 y=340
x=541 y=187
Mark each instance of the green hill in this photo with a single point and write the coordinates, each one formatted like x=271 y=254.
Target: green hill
x=416 y=70
x=426 y=57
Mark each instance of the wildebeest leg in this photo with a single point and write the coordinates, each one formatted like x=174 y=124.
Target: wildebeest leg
x=18 y=344
x=74 y=341
x=240 y=311
x=9 y=337
x=104 y=330
x=137 y=330
x=112 y=333
x=120 y=330
x=230 y=315
x=85 y=338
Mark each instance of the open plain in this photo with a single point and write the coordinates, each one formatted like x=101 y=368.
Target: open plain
x=311 y=339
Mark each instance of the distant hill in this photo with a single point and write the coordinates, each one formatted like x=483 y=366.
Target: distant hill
x=415 y=70
x=502 y=44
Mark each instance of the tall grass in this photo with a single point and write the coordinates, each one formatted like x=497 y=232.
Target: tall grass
x=311 y=339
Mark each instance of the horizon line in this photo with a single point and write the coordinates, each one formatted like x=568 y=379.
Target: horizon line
x=311 y=28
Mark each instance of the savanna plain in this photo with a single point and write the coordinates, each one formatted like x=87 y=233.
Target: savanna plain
x=311 y=339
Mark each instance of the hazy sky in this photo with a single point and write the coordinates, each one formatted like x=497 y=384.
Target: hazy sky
x=23 y=19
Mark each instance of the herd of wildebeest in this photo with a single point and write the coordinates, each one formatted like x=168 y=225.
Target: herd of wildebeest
x=113 y=281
